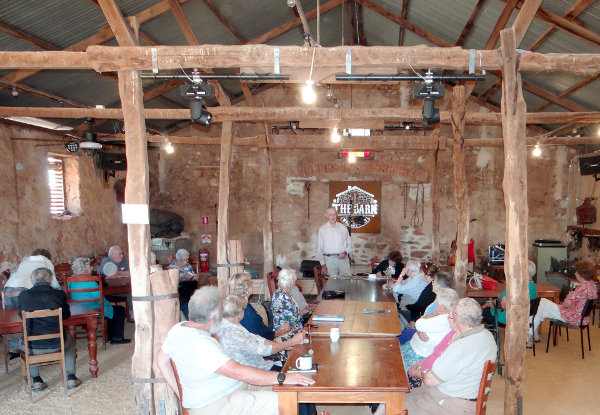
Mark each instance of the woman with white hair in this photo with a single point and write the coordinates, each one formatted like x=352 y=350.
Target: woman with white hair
x=431 y=329
x=285 y=309
x=187 y=279
x=244 y=347
x=241 y=285
x=408 y=290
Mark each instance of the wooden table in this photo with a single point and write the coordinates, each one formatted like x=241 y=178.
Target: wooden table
x=10 y=322
x=116 y=286
x=543 y=291
x=353 y=370
x=357 y=324
x=360 y=288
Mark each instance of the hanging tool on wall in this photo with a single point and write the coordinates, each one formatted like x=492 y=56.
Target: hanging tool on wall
x=307 y=187
x=418 y=217
x=405 y=192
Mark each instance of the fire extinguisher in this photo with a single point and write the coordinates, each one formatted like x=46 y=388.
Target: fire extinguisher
x=203 y=254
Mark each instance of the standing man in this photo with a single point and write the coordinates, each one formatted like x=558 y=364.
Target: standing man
x=212 y=382
x=333 y=246
x=41 y=297
x=115 y=256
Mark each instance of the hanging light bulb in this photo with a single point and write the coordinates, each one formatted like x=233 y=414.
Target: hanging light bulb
x=291 y=3
x=308 y=93
x=351 y=158
x=335 y=136
x=329 y=94
x=537 y=151
x=169 y=147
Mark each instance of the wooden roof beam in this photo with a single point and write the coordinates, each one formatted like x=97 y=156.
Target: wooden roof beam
x=26 y=37
x=117 y=23
x=569 y=91
x=403 y=16
x=575 y=10
x=283 y=114
x=524 y=18
x=469 y=25
x=500 y=24
x=224 y=21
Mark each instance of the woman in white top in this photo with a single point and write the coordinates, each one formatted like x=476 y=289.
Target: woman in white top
x=431 y=329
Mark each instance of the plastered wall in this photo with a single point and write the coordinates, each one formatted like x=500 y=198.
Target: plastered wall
x=26 y=222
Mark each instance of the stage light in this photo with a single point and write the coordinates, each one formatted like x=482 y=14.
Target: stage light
x=335 y=136
x=198 y=112
x=429 y=91
x=308 y=93
x=351 y=158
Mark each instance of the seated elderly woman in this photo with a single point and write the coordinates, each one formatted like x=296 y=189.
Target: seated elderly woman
x=285 y=309
x=187 y=279
x=244 y=347
x=114 y=314
x=409 y=289
x=240 y=284
x=412 y=312
x=431 y=329
x=570 y=310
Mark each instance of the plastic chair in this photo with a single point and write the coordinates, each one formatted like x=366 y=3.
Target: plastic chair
x=484 y=387
x=269 y=311
x=533 y=309
x=585 y=312
x=99 y=298
x=32 y=360
x=183 y=410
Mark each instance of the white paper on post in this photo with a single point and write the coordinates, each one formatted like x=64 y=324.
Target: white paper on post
x=137 y=214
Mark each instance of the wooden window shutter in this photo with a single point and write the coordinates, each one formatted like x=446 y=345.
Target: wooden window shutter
x=56 y=185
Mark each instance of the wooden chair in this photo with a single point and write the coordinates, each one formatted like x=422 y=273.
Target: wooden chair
x=195 y=263
x=319 y=279
x=484 y=387
x=88 y=292
x=585 y=312
x=269 y=311
x=32 y=360
x=95 y=264
x=271 y=283
x=533 y=309
x=183 y=410
x=374 y=262
x=62 y=271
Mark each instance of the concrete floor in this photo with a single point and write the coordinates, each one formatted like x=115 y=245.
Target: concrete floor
x=559 y=382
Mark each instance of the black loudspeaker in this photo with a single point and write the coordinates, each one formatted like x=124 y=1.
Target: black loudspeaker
x=110 y=161
x=589 y=166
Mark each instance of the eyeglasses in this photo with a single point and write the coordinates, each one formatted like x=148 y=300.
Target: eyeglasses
x=450 y=317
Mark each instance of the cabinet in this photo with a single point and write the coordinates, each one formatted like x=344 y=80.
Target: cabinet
x=542 y=257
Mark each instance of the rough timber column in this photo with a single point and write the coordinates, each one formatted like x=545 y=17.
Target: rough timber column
x=461 y=196
x=136 y=192
x=223 y=213
x=515 y=199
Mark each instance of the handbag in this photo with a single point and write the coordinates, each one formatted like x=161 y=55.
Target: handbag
x=331 y=294
x=482 y=282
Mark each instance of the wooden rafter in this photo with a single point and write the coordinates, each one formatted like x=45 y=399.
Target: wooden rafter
x=402 y=16
x=26 y=37
x=575 y=10
x=224 y=21
x=117 y=23
x=569 y=91
x=500 y=24
x=524 y=18
x=469 y=25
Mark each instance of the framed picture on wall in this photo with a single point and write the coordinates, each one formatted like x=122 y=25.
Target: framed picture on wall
x=358 y=205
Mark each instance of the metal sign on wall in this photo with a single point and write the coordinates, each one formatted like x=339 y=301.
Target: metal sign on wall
x=358 y=205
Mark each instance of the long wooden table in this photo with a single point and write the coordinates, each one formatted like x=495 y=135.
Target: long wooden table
x=353 y=370
x=116 y=286
x=543 y=291
x=357 y=324
x=360 y=289
x=10 y=322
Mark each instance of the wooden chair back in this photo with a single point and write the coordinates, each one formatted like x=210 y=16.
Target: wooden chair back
x=319 y=280
x=271 y=283
x=95 y=264
x=93 y=293
x=484 y=386
x=183 y=410
x=28 y=360
x=374 y=262
x=195 y=263
x=62 y=271
x=533 y=309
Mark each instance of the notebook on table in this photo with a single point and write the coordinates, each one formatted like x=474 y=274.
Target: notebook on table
x=328 y=317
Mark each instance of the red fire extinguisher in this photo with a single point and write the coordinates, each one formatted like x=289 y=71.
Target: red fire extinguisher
x=203 y=254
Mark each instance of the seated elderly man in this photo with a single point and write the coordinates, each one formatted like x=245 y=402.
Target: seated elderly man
x=451 y=385
x=213 y=383
x=114 y=265
x=41 y=296
x=114 y=314
x=20 y=279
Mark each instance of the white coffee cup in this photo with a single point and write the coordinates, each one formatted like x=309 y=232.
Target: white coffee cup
x=304 y=362
x=334 y=334
x=372 y=276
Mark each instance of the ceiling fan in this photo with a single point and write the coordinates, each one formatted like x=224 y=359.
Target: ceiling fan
x=89 y=139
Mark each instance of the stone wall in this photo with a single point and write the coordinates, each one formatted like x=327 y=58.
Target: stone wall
x=26 y=222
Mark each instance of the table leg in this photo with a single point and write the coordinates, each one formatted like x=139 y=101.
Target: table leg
x=92 y=324
x=288 y=403
x=394 y=403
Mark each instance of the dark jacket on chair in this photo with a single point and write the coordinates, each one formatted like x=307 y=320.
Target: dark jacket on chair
x=427 y=297
x=41 y=297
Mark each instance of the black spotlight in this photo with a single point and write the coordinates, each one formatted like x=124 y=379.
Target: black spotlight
x=72 y=146
x=198 y=113
x=429 y=92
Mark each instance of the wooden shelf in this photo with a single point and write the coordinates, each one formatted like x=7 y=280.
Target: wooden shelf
x=584 y=231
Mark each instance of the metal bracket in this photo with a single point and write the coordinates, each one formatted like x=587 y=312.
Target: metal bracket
x=348 y=61
x=276 y=60
x=154 y=60
x=472 y=61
